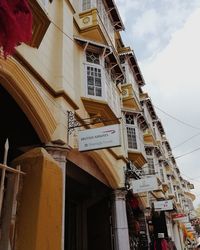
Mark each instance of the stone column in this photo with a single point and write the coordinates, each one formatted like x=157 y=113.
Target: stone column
x=177 y=239
x=59 y=153
x=121 y=234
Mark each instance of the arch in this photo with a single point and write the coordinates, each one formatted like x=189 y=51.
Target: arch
x=16 y=82
x=107 y=167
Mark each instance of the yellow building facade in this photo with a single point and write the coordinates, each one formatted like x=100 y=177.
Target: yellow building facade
x=76 y=75
x=62 y=191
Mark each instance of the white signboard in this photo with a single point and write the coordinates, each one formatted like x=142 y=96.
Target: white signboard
x=181 y=218
x=144 y=185
x=98 y=138
x=163 y=205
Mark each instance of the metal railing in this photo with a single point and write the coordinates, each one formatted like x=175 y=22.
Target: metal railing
x=9 y=189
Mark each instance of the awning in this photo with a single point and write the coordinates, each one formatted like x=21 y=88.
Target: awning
x=142 y=121
x=135 y=67
x=160 y=127
x=151 y=109
x=106 y=51
x=117 y=21
x=85 y=42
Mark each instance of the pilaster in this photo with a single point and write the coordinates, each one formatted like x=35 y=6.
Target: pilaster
x=121 y=234
x=59 y=153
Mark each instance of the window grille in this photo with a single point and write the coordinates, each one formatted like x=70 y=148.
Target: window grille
x=94 y=81
x=149 y=151
x=92 y=57
x=86 y=4
x=131 y=131
x=162 y=174
x=151 y=165
x=132 y=139
x=130 y=119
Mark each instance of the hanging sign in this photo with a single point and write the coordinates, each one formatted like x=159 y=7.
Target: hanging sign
x=180 y=217
x=188 y=226
x=98 y=138
x=163 y=205
x=145 y=184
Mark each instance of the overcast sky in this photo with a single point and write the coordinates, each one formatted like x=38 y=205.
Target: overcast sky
x=165 y=35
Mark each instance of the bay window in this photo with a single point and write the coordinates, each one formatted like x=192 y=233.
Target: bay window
x=131 y=131
x=151 y=166
x=86 y=4
x=93 y=74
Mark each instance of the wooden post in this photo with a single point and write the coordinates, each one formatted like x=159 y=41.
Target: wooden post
x=3 y=174
x=14 y=207
x=7 y=213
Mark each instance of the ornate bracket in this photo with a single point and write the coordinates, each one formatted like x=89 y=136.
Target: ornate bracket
x=72 y=122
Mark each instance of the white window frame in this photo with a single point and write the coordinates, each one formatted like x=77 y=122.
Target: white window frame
x=98 y=67
x=151 y=165
x=86 y=5
x=162 y=173
x=135 y=129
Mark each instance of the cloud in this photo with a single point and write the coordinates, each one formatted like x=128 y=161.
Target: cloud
x=152 y=21
x=146 y=24
x=126 y=7
x=165 y=36
x=173 y=82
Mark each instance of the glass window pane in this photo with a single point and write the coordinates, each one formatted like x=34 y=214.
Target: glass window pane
x=98 y=82
x=90 y=90
x=94 y=84
x=90 y=80
x=98 y=92
x=92 y=57
x=132 y=140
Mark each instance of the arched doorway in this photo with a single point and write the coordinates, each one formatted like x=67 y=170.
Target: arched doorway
x=15 y=126
x=26 y=204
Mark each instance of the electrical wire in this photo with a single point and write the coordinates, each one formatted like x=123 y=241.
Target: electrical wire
x=182 y=143
x=185 y=141
x=176 y=119
x=192 y=179
x=180 y=156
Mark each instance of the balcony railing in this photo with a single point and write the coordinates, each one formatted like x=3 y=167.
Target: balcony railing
x=103 y=14
x=112 y=95
x=101 y=18
x=101 y=95
x=135 y=145
x=129 y=97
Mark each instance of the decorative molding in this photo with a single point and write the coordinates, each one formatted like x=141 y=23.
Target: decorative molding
x=41 y=23
x=21 y=88
x=119 y=194
x=37 y=76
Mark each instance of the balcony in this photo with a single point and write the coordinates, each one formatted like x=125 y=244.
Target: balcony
x=159 y=195
x=165 y=187
x=149 y=138
x=41 y=23
x=129 y=97
x=171 y=195
x=98 y=21
x=106 y=103
x=191 y=196
x=169 y=170
x=136 y=152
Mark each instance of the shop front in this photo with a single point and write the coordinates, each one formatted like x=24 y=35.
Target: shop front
x=136 y=222
x=88 y=211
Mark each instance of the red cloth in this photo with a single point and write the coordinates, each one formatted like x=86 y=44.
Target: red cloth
x=15 y=24
x=162 y=246
x=134 y=203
